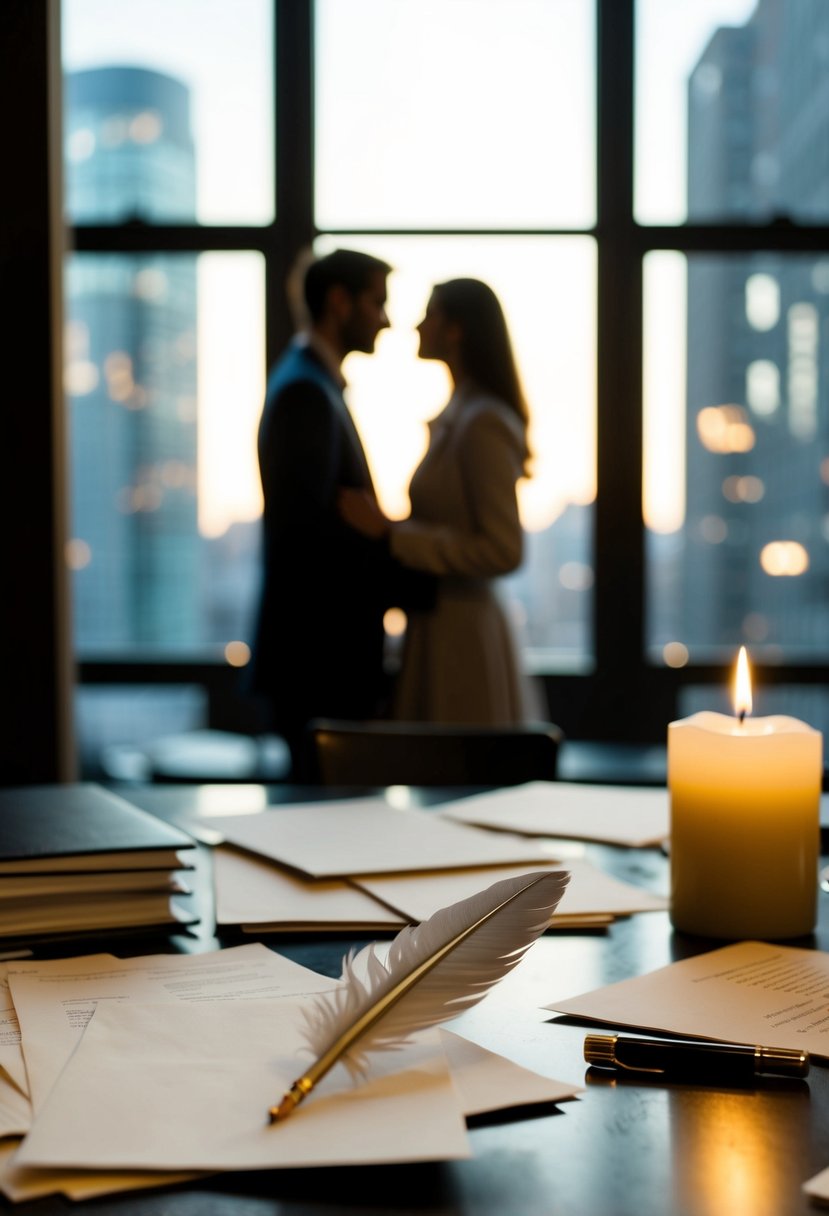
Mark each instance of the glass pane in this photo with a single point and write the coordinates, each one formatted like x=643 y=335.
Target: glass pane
x=168 y=111
x=552 y=594
x=164 y=379
x=731 y=110
x=111 y=718
x=455 y=113
x=737 y=480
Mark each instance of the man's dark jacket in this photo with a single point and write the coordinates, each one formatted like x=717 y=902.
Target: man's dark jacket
x=318 y=644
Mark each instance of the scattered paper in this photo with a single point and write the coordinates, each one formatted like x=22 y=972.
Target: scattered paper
x=750 y=992
x=818 y=1187
x=20 y=1183
x=486 y=1081
x=590 y=892
x=254 y=892
x=188 y=1086
x=483 y=1082
x=55 y=1000
x=15 y=1111
x=636 y=817
x=364 y=836
x=12 y=1063
x=124 y=1058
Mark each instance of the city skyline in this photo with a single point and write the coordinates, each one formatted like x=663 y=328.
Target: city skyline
x=392 y=405
x=232 y=64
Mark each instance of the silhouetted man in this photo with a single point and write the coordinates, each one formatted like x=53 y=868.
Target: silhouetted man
x=318 y=648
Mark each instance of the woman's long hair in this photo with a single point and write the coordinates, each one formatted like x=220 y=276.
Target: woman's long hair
x=485 y=346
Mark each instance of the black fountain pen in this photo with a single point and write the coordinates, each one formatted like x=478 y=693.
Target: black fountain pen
x=704 y=1063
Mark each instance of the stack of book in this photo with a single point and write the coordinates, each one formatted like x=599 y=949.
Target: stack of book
x=79 y=859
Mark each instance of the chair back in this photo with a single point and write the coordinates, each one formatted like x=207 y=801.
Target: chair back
x=427 y=754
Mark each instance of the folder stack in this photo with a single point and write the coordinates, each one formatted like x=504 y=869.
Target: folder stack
x=78 y=859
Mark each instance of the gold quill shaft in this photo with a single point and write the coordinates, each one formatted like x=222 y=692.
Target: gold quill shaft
x=369 y=1017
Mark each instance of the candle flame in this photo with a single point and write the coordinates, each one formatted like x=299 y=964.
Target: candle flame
x=742 y=686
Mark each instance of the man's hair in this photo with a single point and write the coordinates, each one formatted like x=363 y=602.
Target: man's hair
x=343 y=268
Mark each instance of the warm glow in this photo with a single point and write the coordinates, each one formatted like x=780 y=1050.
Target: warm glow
x=742 y=686
x=145 y=128
x=394 y=622
x=80 y=378
x=725 y=1159
x=393 y=394
x=784 y=559
x=724 y=429
x=231 y=387
x=80 y=145
x=78 y=554
x=675 y=654
x=743 y=489
x=664 y=374
x=762 y=301
x=237 y=654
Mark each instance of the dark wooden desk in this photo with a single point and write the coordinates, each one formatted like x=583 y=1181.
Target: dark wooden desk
x=629 y=1149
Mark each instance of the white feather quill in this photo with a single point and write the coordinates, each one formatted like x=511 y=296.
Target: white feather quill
x=433 y=972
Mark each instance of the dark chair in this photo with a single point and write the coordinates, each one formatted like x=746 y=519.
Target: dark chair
x=416 y=753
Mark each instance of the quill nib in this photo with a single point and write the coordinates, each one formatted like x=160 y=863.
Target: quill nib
x=290 y=1100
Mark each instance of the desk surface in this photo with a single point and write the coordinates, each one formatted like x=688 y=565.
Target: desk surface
x=632 y=1149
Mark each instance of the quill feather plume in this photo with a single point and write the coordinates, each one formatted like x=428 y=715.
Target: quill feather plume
x=434 y=971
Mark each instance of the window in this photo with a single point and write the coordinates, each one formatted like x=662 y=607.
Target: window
x=547 y=287
x=738 y=541
x=731 y=130
x=471 y=114
x=169 y=111
x=161 y=405
x=657 y=237
x=731 y=111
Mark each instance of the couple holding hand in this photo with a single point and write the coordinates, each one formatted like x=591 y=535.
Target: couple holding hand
x=333 y=563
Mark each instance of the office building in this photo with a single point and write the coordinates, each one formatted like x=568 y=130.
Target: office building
x=131 y=369
x=756 y=558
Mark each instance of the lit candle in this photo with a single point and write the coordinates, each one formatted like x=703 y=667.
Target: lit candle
x=745 y=822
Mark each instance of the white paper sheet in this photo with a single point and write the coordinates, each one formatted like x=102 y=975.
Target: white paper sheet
x=636 y=817
x=15 y=1111
x=254 y=891
x=337 y=839
x=590 y=891
x=54 y=1002
x=186 y=1086
x=11 y=1053
x=486 y=1081
x=818 y=1186
x=483 y=1082
x=20 y=1183
x=751 y=992
x=11 y=1050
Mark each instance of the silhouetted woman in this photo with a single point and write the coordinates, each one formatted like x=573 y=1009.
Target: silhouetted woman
x=460 y=661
